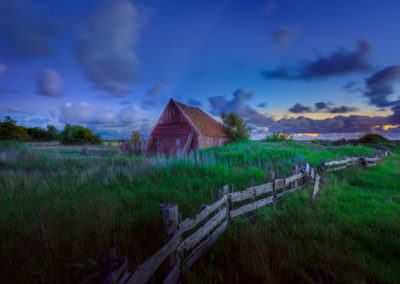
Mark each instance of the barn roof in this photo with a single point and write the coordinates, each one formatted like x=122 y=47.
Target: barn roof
x=205 y=124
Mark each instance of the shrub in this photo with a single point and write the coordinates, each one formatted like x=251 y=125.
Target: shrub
x=235 y=127
x=372 y=138
x=74 y=134
x=279 y=137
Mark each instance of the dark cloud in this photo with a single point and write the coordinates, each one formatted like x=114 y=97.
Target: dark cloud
x=238 y=105
x=282 y=36
x=262 y=105
x=321 y=107
x=125 y=102
x=337 y=124
x=338 y=63
x=49 y=83
x=379 y=86
x=342 y=109
x=195 y=103
x=298 y=108
x=105 y=48
x=25 y=29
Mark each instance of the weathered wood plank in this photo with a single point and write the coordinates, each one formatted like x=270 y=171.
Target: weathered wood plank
x=120 y=270
x=249 y=192
x=199 y=250
x=174 y=275
x=332 y=163
x=193 y=239
x=251 y=206
x=293 y=178
x=190 y=223
x=279 y=195
x=316 y=187
x=144 y=271
x=371 y=164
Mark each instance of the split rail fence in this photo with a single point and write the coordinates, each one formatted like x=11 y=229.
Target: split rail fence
x=187 y=240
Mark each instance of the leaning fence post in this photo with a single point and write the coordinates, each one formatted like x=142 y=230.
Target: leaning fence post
x=170 y=216
x=218 y=196
x=316 y=187
x=229 y=202
x=293 y=183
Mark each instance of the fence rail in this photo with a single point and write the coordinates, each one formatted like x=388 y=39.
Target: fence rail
x=180 y=253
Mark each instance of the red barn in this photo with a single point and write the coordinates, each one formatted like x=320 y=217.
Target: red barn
x=182 y=129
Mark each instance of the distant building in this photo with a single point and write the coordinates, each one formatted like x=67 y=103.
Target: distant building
x=182 y=129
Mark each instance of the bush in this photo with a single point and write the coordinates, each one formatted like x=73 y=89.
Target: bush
x=372 y=138
x=279 y=137
x=74 y=134
x=235 y=127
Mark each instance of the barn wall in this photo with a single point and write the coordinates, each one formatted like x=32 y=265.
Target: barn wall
x=206 y=141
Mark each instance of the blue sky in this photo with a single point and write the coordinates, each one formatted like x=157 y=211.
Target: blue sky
x=320 y=67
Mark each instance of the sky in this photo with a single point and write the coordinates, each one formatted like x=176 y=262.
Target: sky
x=316 y=69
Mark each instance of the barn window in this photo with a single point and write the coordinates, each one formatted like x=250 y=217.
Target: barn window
x=178 y=141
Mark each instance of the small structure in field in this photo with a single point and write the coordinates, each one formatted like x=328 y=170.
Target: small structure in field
x=182 y=129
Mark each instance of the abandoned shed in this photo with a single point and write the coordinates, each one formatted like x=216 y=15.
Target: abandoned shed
x=182 y=129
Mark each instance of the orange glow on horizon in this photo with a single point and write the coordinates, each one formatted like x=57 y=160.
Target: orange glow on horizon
x=306 y=134
x=386 y=127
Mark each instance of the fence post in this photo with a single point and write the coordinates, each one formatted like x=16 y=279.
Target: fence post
x=170 y=216
x=322 y=165
x=218 y=196
x=272 y=179
x=229 y=202
x=293 y=183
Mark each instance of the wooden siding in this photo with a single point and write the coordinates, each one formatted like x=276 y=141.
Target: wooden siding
x=206 y=141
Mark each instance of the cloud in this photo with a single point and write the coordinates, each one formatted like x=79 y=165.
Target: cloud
x=338 y=63
x=49 y=83
x=282 y=36
x=3 y=69
x=25 y=29
x=195 y=103
x=156 y=90
x=238 y=105
x=321 y=107
x=379 y=86
x=262 y=105
x=337 y=124
x=106 y=122
x=105 y=47
x=298 y=108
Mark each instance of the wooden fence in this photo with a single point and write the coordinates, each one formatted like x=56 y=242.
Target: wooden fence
x=187 y=240
x=141 y=146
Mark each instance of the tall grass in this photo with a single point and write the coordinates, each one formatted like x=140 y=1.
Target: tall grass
x=350 y=234
x=61 y=210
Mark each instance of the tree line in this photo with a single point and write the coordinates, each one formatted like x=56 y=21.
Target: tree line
x=71 y=134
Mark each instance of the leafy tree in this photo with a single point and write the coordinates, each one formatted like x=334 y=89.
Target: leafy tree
x=74 y=134
x=9 y=130
x=235 y=127
x=52 y=133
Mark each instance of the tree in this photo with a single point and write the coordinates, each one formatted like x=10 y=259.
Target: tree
x=235 y=127
x=372 y=138
x=52 y=133
x=74 y=134
x=9 y=130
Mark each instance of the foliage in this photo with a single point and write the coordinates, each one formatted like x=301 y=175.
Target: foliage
x=74 y=134
x=279 y=137
x=136 y=137
x=235 y=127
x=40 y=134
x=372 y=138
x=9 y=130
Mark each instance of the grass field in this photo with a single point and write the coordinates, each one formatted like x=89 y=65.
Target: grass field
x=61 y=210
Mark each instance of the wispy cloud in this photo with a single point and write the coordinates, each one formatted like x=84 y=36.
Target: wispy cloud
x=49 y=83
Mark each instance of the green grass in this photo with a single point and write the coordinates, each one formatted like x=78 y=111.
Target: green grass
x=350 y=234
x=61 y=210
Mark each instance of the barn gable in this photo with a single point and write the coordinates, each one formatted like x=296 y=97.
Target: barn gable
x=182 y=128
